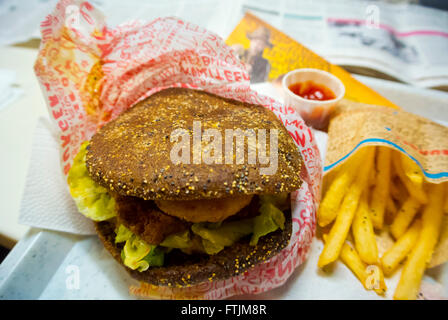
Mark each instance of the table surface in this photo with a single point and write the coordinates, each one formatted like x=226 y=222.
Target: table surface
x=18 y=120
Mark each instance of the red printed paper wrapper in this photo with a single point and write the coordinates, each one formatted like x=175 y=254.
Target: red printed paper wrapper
x=90 y=73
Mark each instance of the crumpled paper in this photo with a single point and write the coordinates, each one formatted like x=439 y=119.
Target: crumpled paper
x=138 y=59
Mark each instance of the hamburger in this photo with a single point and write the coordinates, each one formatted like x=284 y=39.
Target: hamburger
x=164 y=210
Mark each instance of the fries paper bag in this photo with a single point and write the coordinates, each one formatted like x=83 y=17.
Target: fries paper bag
x=90 y=73
x=357 y=125
x=422 y=140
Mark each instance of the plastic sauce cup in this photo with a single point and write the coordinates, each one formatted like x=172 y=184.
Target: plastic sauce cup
x=315 y=113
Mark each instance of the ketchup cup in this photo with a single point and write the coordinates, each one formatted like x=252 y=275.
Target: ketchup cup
x=315 y=113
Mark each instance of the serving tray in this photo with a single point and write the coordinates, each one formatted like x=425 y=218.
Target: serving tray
x=54 y=265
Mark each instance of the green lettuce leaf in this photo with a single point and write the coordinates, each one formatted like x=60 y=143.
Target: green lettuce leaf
x=92 y=200
x=122 y=234
x=270 y=219
x=180 y=240
x=138 y=255
x=280 y=200
x=155 y=258
x=214 y=240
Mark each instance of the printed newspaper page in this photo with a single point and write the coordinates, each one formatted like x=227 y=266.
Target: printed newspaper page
x=404 y=41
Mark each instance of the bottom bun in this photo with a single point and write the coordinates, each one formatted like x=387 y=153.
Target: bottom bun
x=182 y=270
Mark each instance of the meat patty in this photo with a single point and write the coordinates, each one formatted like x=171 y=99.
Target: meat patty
x=144 y=219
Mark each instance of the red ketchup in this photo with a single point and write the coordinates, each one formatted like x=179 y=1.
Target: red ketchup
x=312 y=91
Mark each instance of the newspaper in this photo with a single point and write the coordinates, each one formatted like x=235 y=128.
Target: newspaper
x=407 y=42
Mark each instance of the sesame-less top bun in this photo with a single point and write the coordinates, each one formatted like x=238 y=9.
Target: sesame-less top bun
x=132 y=154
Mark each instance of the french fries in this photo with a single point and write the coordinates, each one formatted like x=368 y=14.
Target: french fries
x=445 y=207
x=420 y=255
x=440 y=253
x=389 y=189
x=351 y=259
x=363 y=234
x=372 y=178
x=330 y=203
x=346 y=212
x=412 y=170
x=398 y=252
x=398 y=191
x=381 y=188
x=404 y=217
x=391 y=211
x=416 y=190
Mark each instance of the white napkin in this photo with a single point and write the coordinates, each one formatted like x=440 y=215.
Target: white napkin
x=46 y=201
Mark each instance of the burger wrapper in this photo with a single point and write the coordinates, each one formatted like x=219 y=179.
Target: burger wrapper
x=424 y=141
x=90 y=73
